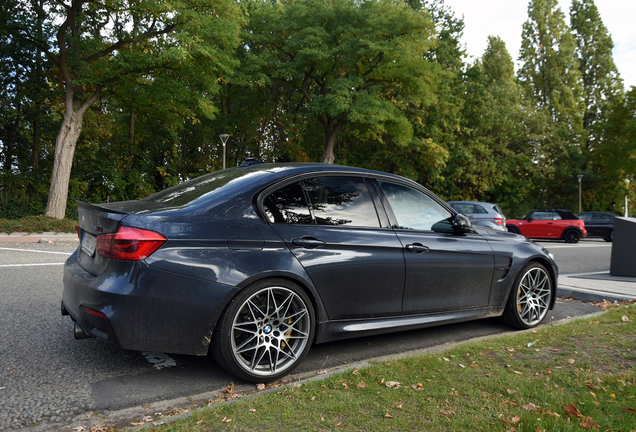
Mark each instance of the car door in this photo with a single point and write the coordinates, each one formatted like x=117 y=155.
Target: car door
x=351 y=254
x=543 y=224
x=444 y=271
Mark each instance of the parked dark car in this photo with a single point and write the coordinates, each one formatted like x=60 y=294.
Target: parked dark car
x=599 y=224
x=481 y=213
x=255 y=264
x=549 y=224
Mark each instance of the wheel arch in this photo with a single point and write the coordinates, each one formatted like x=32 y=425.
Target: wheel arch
x=513 y=229
x=304 y=283
x=553 y=275
x=570 y=229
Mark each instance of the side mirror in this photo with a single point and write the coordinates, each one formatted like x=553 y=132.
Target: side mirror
x=529 y=219
x=461 y=224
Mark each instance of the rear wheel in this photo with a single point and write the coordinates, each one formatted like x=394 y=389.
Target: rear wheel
x=265 y=332
x=530 y=298
x=610 y=236
x=572 y=236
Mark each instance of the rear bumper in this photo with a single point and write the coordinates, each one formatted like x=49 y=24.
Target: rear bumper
x=142 y=308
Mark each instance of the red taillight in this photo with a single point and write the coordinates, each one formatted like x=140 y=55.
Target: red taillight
x=499 y=221
x=132 y=244
x=96 y=313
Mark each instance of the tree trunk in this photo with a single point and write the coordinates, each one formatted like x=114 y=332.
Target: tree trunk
x=331 y=133
x=62 y=163
x=131 y=141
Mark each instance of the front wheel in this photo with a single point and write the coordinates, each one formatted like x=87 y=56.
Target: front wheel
x=572 y=236
x=265 y=331
x=513 y=229
x=530 y=298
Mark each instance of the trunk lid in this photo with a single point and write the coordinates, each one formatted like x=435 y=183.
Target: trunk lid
x=95 y=220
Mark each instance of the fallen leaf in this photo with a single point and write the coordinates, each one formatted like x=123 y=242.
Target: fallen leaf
x=572 y=410
x=392 y=384
x=344 y=384
x=512 y=391
x=625 y=319
x=515 y=419
x=362 y=385
x=260 y=386
x=388 y=416
x=252 y=410
x=631 y=410
x=571 y=361
x=589 y=423
x=530 y=407
x=322 y=372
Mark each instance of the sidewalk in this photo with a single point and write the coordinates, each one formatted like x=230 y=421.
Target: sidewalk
x=591 y=287
x=596 y=287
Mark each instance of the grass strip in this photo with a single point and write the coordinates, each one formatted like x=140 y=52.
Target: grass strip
x=38 y=224
x=577 y=376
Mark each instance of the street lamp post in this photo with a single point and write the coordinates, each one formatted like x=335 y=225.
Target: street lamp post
x=580 y=176
x=224 y=138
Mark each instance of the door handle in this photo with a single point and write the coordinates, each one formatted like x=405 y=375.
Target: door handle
x=307 y=242
x=417 y=248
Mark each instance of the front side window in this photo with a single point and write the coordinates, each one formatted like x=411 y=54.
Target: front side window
x=341 y=200
x=415 y=210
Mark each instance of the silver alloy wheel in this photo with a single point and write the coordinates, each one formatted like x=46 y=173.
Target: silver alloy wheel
x=270 y=331
x=533 y=296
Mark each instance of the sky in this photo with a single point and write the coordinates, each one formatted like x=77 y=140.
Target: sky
x=505 y=18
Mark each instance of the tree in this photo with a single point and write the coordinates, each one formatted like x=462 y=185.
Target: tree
x=602 y=92
x=98 y=43
x=550 y=78
x=345 y=62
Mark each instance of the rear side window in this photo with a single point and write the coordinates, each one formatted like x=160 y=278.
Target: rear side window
x=341 y=201
x=335 y=201
x=287 y=205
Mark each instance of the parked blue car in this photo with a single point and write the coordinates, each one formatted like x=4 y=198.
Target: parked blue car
x=255 y=264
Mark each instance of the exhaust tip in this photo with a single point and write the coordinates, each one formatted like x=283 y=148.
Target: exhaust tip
x=80 y=333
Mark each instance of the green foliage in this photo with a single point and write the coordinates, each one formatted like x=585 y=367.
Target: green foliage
x=381 y=84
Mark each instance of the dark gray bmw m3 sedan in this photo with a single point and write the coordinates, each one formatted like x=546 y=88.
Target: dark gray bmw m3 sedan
x=255 y=264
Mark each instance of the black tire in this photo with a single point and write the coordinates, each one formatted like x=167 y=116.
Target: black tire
x=610 y=236
x=572 y=236
x=513 y=229
x=530 y=297
x=265 y=331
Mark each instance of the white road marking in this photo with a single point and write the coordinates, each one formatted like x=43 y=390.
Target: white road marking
x=31 y=250
x=159 y=360
x=29 y=265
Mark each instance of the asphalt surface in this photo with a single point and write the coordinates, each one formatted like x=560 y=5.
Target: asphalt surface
x=50 y=379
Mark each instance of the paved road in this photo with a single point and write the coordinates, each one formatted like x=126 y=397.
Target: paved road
x=587 y=256
x=48 y=377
